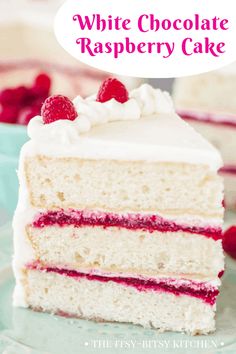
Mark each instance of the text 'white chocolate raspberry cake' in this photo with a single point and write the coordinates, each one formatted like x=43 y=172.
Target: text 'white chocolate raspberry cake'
x=120 y=213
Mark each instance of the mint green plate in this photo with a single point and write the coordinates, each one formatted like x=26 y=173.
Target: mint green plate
x=23 y=331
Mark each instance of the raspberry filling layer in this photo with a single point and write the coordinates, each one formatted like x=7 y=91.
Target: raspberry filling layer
x=228 y=169
x=201 y=290
x=212 y=118
x=151 y=223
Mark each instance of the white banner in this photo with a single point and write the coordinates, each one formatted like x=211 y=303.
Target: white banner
x=149 y=38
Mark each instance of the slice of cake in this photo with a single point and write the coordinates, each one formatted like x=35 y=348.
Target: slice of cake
x=120 y=213
x=207 y=102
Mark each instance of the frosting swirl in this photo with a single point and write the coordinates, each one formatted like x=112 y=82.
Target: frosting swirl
x=143 y=101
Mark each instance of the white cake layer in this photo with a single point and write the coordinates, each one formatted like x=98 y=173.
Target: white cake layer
x=222 y=136
x=130 y=251
x=109 y=301
x=123 y=186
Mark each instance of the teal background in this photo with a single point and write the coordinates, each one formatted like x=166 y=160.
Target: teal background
x=12 y=137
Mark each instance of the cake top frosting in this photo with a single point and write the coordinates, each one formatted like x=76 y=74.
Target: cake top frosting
x=144 y=127
x=144 y=101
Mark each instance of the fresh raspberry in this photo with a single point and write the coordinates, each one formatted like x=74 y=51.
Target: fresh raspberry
x=112 y=88
x=20 y=94
x=9 y=114
x=13 y=96
x=229 y=241
x=20 y=104
x=41 y=86
x=7 y=96
x=30 y=97
x=58 y=107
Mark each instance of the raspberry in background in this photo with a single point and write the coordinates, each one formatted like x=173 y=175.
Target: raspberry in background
x=112 y=88
x=7 y=96
x=229 y=241
x=18 y=105
x=27 y=113
x=8 y=114
x=41 y=86
x=58 y=107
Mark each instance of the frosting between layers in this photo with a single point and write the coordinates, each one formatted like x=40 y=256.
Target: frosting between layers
x=144 y=128
x=202 y=290
x=80 y=218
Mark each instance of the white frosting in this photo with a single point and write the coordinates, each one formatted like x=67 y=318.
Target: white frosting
x=143 y=128
x=144 y=101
